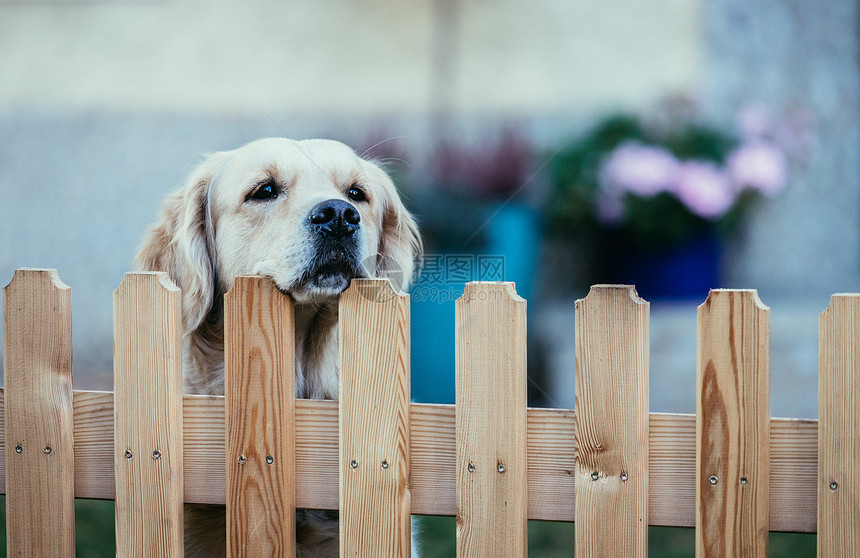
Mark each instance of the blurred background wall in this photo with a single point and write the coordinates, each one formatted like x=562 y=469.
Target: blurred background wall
x=105 y=106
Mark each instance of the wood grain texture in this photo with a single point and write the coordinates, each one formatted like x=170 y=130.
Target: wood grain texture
x=37 y=363
x=148 y=434
x=375 y=502
x=205 y=455
x=551 y=462
x=612 y=359
x=259 y=391
x=733 y=420
x=839 y=428
x=492 y=459
x=672 y=478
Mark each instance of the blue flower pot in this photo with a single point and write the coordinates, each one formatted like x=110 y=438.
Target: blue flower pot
x=685 y=272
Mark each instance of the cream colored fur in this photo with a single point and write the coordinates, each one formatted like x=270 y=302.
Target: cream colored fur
x=212 y=230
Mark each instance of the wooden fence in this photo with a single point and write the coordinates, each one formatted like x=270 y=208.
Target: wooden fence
x=730 y=470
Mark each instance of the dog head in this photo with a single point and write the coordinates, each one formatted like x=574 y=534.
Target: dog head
x=311 y=215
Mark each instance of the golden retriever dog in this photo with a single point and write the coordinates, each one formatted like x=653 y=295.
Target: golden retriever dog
x=311 y=215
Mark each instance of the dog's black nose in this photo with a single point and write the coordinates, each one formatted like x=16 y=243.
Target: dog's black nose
x=334 y=217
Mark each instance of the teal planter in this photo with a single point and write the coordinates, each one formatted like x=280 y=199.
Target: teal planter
x=510 y=254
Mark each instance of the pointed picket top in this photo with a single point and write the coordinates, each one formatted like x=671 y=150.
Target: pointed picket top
x=491 y=445
x=134 y=278
x=38 y=274
x=751 y=294
x=840 y=300
x=147 y=317
x=838 y=419
x=259 y=406
x=602 y=289
x=473 y=289
x=612 y=422
x=42 y=295
x=839 y=304
x=374 y=442
x=245 y=285
x=733 y=424
x=374 y=290
x=37 y=359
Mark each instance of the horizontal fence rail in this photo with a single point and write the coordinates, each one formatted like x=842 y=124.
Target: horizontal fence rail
x=551 y=460
x=612 y=466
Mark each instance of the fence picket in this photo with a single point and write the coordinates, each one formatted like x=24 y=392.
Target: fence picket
x=839 y=428
x=148 y=437
x=40 y=467
x=370 y=440
x=492 y=459
x=375 y=502
x=732 y=426
x=612 y=430
x=259 y=357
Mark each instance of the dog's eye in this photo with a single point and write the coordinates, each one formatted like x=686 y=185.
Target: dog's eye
x=264 y=191
x=355 y=193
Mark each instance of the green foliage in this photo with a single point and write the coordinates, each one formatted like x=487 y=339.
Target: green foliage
x=574 y=174
x=95 y=534
x=551 y=540
x=657 y=221
x=95 y=537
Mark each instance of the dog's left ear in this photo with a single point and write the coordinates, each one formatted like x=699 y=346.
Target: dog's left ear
x=180 y=243
x=400 y=247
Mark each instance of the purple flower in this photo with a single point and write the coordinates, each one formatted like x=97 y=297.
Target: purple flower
x=642 y=170
x=610 y=208
x=759 y=166
x=705 y=189
x=754 y=122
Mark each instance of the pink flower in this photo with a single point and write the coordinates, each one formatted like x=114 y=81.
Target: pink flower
x=642 y=170
x=705 y=189
x=759 y=166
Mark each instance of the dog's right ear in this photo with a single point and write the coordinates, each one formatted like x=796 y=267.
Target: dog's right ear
x=181 y=243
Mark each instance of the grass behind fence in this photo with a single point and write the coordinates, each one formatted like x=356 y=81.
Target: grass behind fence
x=94 y=524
